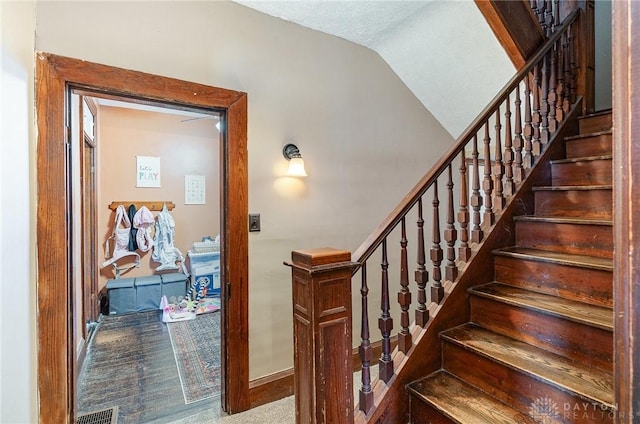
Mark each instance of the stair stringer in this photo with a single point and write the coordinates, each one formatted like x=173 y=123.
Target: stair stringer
x=391 y=401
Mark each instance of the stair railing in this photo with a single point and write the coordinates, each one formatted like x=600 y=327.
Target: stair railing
x=495 y=152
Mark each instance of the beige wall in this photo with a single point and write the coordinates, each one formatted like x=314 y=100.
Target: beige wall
x=184 y=148
x=18 y=390
x=364 y=136
x=603 y=54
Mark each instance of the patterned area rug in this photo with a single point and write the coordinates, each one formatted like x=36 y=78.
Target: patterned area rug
x=196 y=346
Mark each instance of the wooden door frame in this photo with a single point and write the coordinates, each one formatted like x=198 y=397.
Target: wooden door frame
x=55 y=76
x=626 y=156
x=89 y=221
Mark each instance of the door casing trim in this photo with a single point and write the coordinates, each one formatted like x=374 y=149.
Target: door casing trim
x=55 y=76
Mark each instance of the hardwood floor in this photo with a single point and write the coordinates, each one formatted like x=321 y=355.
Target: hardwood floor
x=130 y=364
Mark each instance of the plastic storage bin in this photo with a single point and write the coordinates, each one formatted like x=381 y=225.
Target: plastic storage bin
x=205 y=271
x=174 y=284
x=122 y=296
x=207 y=277
x=148 y=292
x=206 y=258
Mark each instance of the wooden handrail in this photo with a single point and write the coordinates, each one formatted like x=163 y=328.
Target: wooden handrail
x=366 y=249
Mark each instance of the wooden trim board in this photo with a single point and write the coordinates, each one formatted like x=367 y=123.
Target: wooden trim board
x=55 y=76
x=279 y=385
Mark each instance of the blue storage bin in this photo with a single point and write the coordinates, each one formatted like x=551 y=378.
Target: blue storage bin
x=207 y=277
x=122 y=296
x=174 y=285
x=148 y=292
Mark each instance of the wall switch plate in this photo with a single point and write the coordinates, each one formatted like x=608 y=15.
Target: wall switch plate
x=254 y=222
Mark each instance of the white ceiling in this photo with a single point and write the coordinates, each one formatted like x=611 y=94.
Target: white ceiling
x=443 y=50
x=363 y=22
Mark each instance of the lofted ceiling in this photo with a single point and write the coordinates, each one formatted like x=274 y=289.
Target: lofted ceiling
x=443 y=50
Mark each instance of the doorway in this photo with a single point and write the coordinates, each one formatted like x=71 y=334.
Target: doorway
x=134 y=345
x=55 y=77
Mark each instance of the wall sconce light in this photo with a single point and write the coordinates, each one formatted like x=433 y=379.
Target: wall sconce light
x=296 y=164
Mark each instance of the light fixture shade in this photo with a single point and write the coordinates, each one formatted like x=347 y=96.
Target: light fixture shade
x=296 y=168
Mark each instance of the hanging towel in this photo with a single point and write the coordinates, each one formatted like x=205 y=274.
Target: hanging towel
x=131 y=213
x=164 y=250
x=143 y=221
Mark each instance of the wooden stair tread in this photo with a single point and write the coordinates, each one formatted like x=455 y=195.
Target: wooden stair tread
x=588 y=383
x=564 y=220
x=582 y=159
x=583 y=261
x=462 y=402
x=592 y=315
x=577 y=188
x=592 y=134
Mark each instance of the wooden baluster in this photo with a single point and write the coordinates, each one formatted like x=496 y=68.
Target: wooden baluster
x=487 y=184
x=464 y=251
x=548 y=17
x=498 y=195
x=572 y=64
x=552 y=97
x=536 y=147
x=404 y=295
x=437 y=290
x=538 y=9
x=560 y=86
x=421 y=275
x=365 y=350
x=476 y=199
x=566 y=104
x=518 y=142
x=560 y=115
x=385 y=322
x=509 y=186
x=450 y=234
x=544 y=103
x=541 y=16
x=528 y=127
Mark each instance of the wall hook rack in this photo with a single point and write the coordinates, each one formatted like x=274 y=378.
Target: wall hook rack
x=154 y=206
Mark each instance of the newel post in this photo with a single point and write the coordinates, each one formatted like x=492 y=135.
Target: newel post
x=323 y=354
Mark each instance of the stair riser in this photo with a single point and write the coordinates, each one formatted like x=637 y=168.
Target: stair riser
x=596 y=145
x=592 y=124
x=574 y=203
x=592 y=172
x=554 y=334
x=423 y=413
x=584 y=284
x=577 y=239
x=514 y=388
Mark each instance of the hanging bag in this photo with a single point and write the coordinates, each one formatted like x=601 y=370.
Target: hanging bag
x=133 y=244
x=120 y=237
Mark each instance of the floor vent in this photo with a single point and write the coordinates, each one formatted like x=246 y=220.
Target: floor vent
x=106 y=416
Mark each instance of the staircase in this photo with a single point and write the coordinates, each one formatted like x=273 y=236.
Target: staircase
x=539 y=344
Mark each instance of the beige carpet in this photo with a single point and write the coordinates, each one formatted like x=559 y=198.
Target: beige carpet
x=278 y=412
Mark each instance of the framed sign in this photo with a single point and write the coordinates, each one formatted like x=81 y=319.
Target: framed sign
x=148 y=171
x=194 y=190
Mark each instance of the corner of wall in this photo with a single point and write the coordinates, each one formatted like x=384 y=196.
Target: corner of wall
x=18 y=358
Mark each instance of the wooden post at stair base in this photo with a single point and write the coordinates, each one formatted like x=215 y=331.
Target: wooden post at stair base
x=323 y=376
